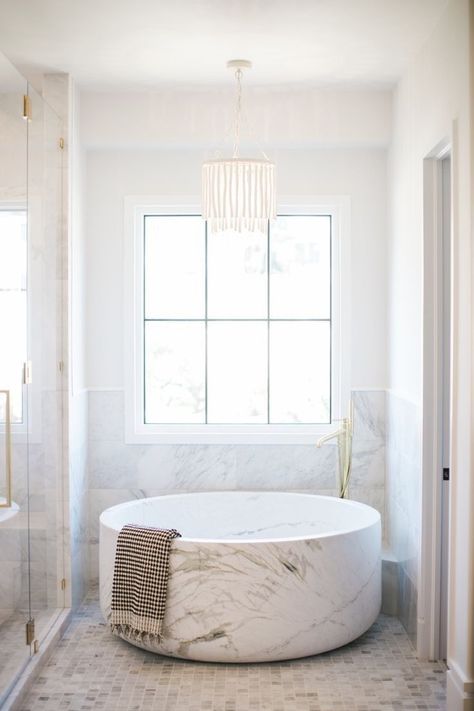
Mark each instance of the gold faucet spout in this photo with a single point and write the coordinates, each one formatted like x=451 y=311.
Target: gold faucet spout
x=344 y=441
x=328 y=437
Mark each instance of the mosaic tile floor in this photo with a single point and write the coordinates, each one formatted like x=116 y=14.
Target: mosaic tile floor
x=14 y=653
x=91 y=669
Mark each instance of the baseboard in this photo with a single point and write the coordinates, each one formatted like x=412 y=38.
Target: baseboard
x=389 y=584
x=22 y=686
x=459 y=691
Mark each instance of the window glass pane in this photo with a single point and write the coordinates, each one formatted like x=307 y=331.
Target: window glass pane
x=174 y=372
x=12 y=249
x=300 y=372
x=300 y=256
x=174 y=266
x=12 y=349
x=13 y=265
x=237 y=372
x=237 y=275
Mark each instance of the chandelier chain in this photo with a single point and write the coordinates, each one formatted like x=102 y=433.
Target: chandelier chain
x=238 y=113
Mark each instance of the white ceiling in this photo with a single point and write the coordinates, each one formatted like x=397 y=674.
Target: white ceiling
x=127 y=44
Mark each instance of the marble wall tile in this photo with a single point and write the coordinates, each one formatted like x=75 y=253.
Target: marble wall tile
x=285 y=466
x=34 y=586
x=113 y=464
x=119 y=472
x=390 y=587
x=93 y=563
x=34 y=545
x=37 y=487
x=368 y=463
x=101 y=499
x=369 y=414
x=407 y=603
x=403 y=500
x=185 y=467
x=79 y=496
x=10 y=543
x=10 y=587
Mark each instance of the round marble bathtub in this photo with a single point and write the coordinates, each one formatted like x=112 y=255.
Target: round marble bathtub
x=257 y=576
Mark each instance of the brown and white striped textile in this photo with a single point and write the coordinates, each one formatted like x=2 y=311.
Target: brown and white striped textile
x=140 y=580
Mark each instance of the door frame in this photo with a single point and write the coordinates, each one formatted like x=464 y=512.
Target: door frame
x=429 y=572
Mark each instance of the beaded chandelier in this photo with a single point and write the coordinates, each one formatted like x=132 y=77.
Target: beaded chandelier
x=238 y=193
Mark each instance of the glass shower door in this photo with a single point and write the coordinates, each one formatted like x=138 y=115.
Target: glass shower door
x=14 y=453
x=32 y=380
x=46 y=388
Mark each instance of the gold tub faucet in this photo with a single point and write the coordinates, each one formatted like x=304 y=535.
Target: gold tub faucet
x=344 y=442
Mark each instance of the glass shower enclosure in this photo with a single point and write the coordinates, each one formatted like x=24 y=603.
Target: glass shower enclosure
x=31 y=374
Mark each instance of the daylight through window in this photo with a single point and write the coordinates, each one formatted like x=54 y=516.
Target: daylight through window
x=237 y=327
x=13 y=307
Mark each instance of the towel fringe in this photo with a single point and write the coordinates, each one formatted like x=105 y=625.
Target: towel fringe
x=133 y=635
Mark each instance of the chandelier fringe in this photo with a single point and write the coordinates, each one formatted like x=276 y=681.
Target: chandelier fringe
x=238 y=194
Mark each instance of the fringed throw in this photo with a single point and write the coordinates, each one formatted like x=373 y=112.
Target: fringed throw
x=140 y=582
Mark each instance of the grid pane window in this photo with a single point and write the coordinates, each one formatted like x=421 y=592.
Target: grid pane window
x=237 y=372
x=237 y=327
x=237 y=275
x=174 y=267
x=300 y=269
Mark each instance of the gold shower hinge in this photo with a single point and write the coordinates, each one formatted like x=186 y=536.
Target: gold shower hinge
x=30 y=631
x=61 y=143
x=26 y=107
x=63 y=583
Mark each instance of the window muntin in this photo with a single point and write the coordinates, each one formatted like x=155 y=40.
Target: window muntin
x=237 y=328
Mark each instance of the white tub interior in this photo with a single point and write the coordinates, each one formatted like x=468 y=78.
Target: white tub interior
x=262 y=516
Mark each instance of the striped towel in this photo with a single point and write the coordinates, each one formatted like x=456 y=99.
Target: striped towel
x=140 y=582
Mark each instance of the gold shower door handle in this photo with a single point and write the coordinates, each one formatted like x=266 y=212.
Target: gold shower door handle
x=8 y=451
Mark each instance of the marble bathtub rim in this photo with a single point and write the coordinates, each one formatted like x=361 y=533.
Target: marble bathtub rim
x=246 y=541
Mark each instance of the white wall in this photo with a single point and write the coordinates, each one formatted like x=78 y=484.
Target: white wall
x=432 y=102
x=78 y=400
x=203 y=118
x=112 y=174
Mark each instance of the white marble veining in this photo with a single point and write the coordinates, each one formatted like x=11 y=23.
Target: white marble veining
x=369 y=414
x=7 y=512
x=119 y=472
x=403 y=507
x=258 y=576
x=187 y=467
x=10 y=587
x=78 y=496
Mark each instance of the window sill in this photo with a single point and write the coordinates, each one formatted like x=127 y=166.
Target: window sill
x=228 y=434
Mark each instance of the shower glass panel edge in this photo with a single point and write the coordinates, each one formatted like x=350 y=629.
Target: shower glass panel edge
x=45 y=344
x=14 y=480
x=32 y=281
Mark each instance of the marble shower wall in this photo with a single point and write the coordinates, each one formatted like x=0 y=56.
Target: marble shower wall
x=403 y=504
x=78 y=493
x=31 y=542
x=119 y=472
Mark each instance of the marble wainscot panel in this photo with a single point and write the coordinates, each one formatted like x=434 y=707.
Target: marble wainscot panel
x=367 y=483
x=78 y=495
x=119 y=471
x=403 y=506
x=257 y=576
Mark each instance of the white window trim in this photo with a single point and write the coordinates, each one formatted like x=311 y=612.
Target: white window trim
x=136 y=432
